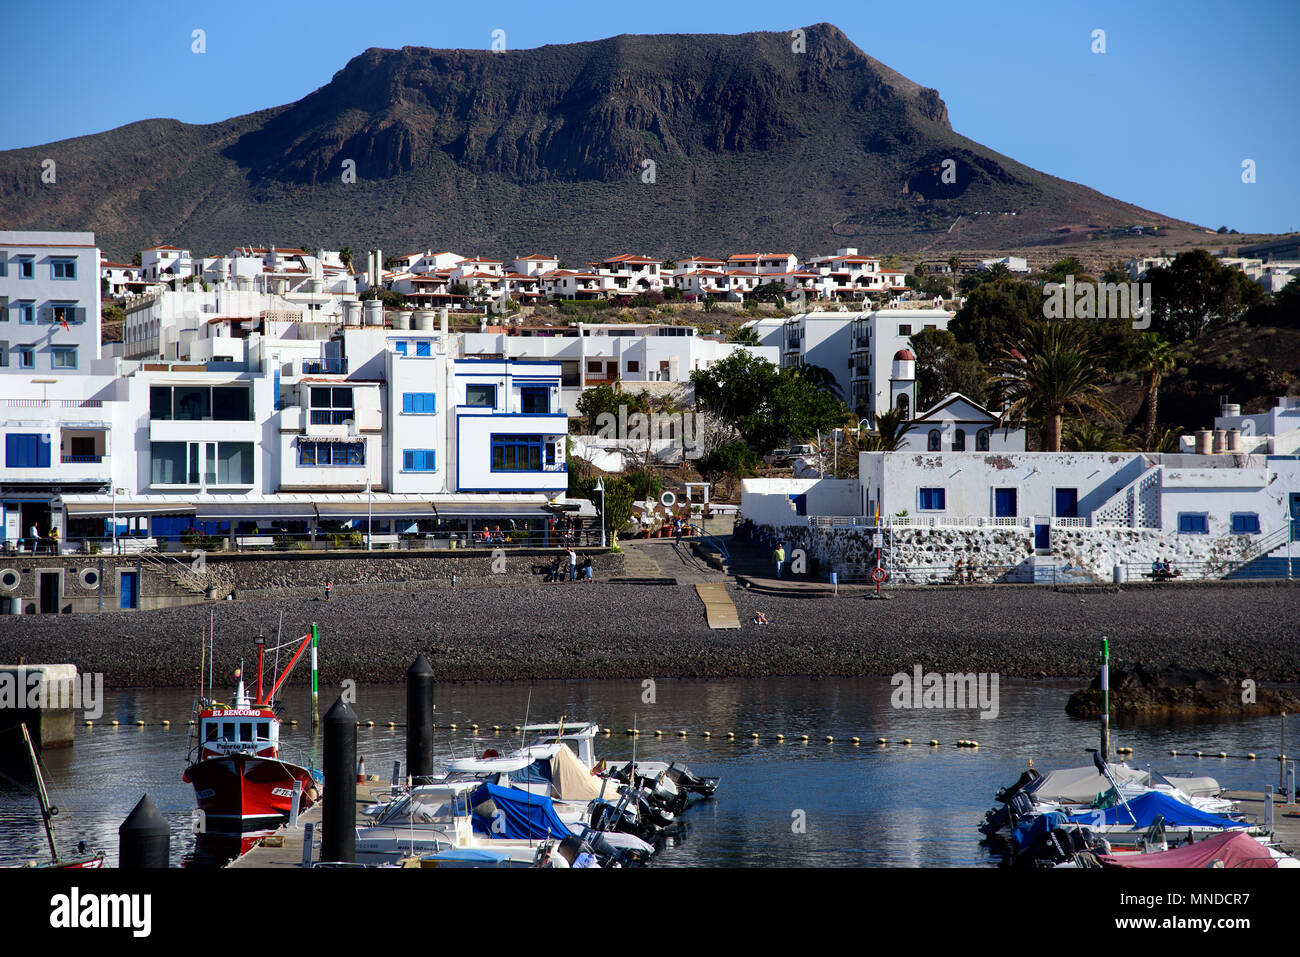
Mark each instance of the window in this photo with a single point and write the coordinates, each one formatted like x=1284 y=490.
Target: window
x=481 y=396
x=959 y=440
x=904 y=405
x=331 y=406
x=190 y=403
x=516 y=453
x=982 y=440
x=931 y=500
x=168 y=464
x=1245 y=523
x=535 y=401
x=26 y=357
x=231 y=404
x=419 y=403
x=400 y=347
x=331 y=453
x=4 y=267
x=905 y=330
x=4 y=303
x=26 y=267
x=633 y=365
x=66 y=312
x=419 y=460
x=26 y=311
x=4 y=355
x=63 y=268
x=934 y=441
x=422 y=349
x=234 y=463
x=64 y=357
x=1194 y=523
x=27 y=450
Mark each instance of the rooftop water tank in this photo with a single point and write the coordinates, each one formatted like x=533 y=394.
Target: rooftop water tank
x=1204 y=438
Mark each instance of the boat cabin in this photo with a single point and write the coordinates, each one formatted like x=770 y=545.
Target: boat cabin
x=252 y=731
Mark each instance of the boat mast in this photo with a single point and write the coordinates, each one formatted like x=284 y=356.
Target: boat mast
x=1105 y=699
x=46 y=813
x=260 y=641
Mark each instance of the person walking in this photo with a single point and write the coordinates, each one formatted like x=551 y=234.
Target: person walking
x=573 y=564
x=677 y=527
x=329 y=586
x=35 y=534
x=778 y=557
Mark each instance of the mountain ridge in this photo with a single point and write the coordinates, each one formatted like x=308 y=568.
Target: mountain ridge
x=751 y=144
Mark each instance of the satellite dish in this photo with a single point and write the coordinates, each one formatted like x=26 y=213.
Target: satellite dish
x=668 y=499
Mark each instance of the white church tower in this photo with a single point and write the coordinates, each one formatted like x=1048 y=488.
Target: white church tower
x=902 y=383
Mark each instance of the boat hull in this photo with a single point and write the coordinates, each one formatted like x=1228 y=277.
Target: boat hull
x=239 y=792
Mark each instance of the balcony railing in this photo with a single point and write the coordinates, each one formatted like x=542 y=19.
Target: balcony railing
x=329 y=365
x=331 y=416
x=81 y=459
x=54 y=403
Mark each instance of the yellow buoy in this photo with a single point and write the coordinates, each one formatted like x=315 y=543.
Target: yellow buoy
x=1250 y=756
x=90 y=724
x=1174 y=753
x=881 y=741
x=908 y=742
x=658 y=733
x=681 y=734
x=1198 y=754
x=780 y=737
x=972 y=744
x=451 y=727
x=392 y=724
x=496 y=728
x=605 y=731
x=1223 y=754
x=830 y=738
x=634 y=731
x=473 y=727
x=166 y=723
x=370 y=724
x=754 y=735
x=731 y=736
x=705 y=734
x=855 y=741
x=293 y=723
x=803 y=737
x=139 y=724
x=934 y=743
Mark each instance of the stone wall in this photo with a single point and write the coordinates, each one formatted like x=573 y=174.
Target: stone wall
x=305 y=573
x=81 y=588
x=1004 y=553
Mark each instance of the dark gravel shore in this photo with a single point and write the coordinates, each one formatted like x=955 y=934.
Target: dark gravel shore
x=607 y=631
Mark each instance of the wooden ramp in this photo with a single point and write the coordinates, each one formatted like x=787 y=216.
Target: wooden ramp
x=719 y=609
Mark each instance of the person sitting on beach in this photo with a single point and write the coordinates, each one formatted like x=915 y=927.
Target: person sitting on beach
x=958 y=571
x=762 y=619
x=588 y=572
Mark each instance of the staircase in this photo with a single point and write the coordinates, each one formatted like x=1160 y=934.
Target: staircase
x=178 y=573
x=1264 y=564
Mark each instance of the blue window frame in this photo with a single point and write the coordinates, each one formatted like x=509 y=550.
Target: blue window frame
x=26 y=357
x=931 y=499
x=27 y=450
x=63 y=357
x=1194 y=523
x=535 y=400
x=400 y=347
x=423 y=349
x=517 y=453
x=481 y=396
x=419 y=460
x=1245 y=523
x=63 y=268
x=317 y=454
x=26 y=311
x=419 y=403
x=26 y=267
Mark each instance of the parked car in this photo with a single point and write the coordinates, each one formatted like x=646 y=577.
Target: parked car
x=781 y=457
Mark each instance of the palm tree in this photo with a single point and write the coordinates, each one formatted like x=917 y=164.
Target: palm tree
x=1155 y=357
x=345 y=257
x=1087 y=437
x=888 y=433
x=1048 y=374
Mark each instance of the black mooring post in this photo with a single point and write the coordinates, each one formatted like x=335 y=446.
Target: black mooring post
x=339 y=842
x=144 y=839
x=419 y=721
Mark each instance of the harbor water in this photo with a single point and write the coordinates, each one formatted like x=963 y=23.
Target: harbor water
x=781 y=803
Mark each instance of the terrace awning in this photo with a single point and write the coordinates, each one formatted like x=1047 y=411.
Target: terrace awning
x=126 y=507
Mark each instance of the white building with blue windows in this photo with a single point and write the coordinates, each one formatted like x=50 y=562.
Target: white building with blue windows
x=49 y=303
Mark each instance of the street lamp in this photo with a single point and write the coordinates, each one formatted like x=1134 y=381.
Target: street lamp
x=115 y=491
x=600 y=487
x=370 y=512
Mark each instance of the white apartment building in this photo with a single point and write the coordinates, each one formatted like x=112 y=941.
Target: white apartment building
x=49 y=303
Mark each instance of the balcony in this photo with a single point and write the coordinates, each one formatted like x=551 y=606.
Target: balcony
x=80 y=459
x=332 y=416
x=329 y=365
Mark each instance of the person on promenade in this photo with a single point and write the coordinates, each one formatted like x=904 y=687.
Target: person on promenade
x=970 y=571
x=35 y=534
x=958 y=571
x=329 y=586
x=778 y=557
x=554 y=575
x=677 y=527
x=588 y=571
x=573 y=564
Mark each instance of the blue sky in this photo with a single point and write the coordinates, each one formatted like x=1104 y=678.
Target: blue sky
x=1185 y=92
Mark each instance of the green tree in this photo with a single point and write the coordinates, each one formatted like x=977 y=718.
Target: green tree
x=745 y=335
x=1069 y=266
x=766 y=406
x=727 y=462
x=945 y=365
x=1196 y=293
x=710 y=304
x=769 y=292
x=820 y=377
x=619 y=497
x=954 y=263
x=1087 y=437
x=345 y=256
x=997 y=313
x=1050 y=373
x=1155 y=359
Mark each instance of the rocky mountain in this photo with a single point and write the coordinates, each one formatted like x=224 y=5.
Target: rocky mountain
x=662 y=145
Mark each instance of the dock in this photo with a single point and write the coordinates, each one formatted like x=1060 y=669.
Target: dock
x=1286 y=817
x=719 y=609
x=284 y=847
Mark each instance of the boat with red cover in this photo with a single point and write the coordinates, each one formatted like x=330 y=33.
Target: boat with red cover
x=240 y=781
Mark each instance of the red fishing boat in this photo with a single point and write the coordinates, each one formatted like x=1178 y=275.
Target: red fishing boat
x=240 y=781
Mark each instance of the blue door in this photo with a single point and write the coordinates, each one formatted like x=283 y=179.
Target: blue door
x=1004 y=502
x=1067 y=503
x=130 y=589
x=1042 y=536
